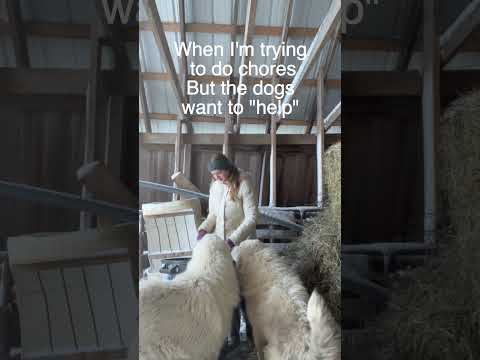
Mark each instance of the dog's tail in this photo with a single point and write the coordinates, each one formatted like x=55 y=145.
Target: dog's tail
x=325 y=341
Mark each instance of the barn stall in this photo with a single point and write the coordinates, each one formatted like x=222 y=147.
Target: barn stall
x=175 y=148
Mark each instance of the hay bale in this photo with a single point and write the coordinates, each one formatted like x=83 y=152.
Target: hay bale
x=435 y=313
x=316 y=254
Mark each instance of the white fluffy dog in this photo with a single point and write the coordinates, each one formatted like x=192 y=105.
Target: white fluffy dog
x=190 y=317
x=284 y=326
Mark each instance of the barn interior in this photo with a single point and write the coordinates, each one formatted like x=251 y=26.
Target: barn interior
x=68 y=94
x=175 y=148
x=405 y=66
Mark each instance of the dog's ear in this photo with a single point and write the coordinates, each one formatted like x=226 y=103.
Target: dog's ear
x=316 y=307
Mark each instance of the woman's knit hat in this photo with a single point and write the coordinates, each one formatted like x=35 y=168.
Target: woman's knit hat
x=219 y=162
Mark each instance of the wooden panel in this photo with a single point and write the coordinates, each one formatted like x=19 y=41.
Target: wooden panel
x=103 y=306
x=82 y=313
x=33 y=313
x=172 y=232
x=62 y=329
x=192 y=230
x=182 y=231
x=153 y=235
x=126 y=301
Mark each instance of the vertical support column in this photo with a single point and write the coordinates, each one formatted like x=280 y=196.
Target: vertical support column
x=431 y=111
x=178 y=149
x=91 y=111
x=320 y=136
x=273 y=161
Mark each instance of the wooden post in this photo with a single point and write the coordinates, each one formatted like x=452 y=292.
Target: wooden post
x=178 y=147
x=262 y=178
x=431 y=111
x=91 y=112
x=320 y=137
x=247 y=37
x=273 y=162
x=144 y=106
x=18 y=33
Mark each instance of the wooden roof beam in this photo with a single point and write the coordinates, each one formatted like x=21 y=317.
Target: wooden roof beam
x=247 y=39
x=453 y=38
x=17 y=31
x=326 y=28
x=410 y=35
x=161 y=40
x=333 y=116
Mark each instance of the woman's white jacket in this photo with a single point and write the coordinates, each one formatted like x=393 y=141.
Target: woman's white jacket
x=234 y=220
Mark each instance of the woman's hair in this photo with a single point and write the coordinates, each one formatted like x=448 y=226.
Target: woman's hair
x=233 y=179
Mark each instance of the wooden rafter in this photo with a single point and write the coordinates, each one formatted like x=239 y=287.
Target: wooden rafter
x=228 y=126
x=161 y=76
x=144 y=106
x=333 y=116
x=410 y=35
x=328 y=25
x=320 y=146
x=18 y=33
x=161 y=40
x=247 y=39
x=455 y=35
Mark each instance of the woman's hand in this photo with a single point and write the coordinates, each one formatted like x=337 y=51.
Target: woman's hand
x=201 y=234
x=230 y=244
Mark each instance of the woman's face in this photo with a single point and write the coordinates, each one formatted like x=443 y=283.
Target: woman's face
x=220 y=175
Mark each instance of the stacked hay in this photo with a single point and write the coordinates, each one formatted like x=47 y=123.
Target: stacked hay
x=435 y=314
x=317 y=253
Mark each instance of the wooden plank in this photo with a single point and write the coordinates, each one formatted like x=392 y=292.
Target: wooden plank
x=251 y=12
x=80 y=309
x=153 y=235
x=103 y=308
x=125 y=295
x=333 y=116
x=453 y=38
x=18 y=33
x=162 y=44
x=34 y=313
x=173 y=234
x=328 y=25
x=63 y=339
x=144 y=107
x=236 y=139
x=409 y=36
x=430 y=114
x=183 y=39
x=182 y=231
x=192 y=229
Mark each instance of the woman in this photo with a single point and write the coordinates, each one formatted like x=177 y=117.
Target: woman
x=232 y=215
x=232 y=204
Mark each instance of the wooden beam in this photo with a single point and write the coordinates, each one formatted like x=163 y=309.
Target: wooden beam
x=273 y=162
x=236 y=139
x=455 y=35
x=144 y=107
x=229 y=118
x=333 y=116
x=18 y=33
x=410 y=35
x=430 y=114
x=183 y=39
x=328 y=25
x=320 y=146
x=231 y=28
x=247 y=39
x=161 y=40
x=331 y=83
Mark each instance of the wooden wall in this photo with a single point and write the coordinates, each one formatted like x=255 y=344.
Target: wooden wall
x=43 y=146
x=296 y=183
x=382 y=185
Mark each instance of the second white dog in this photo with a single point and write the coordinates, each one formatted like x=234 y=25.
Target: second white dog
x=284 y=326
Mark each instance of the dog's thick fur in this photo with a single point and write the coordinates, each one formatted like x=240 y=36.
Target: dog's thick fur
x=189 y=317
x=284 y=326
